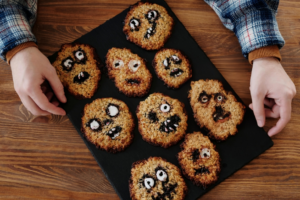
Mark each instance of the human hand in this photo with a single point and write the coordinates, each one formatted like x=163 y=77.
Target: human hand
x=30 y=69
x=271 y=86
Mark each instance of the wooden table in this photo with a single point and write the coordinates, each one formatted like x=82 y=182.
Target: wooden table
x=45 y=158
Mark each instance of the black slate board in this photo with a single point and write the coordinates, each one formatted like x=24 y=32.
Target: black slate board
x=235 y=152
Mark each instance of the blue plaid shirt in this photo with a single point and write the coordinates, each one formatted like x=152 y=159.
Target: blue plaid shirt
x=253 y=22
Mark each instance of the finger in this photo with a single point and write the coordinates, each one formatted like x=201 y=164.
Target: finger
x=41 y=100
x=32 y=107
x=273 y=113
x=49 y=95
x=269 y=102
x=56 y=103
x=56 y=86
x=285 y=116
x=258 y=107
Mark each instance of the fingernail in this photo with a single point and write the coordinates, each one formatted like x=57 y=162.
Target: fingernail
x=260 y=123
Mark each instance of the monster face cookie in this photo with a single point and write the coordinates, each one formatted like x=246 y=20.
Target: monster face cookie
x=148 y=25
x=215 y=109
x=129 y=72
x=108 y=124
x=77 y=66
x=156 y=179
x=172 y=67
x=199 y=160
x=162 y=120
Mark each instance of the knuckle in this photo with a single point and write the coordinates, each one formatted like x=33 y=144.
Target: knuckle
x=27 y=88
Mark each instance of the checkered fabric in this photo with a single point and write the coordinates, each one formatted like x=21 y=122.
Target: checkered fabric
x=253 y=22
x=16 y=19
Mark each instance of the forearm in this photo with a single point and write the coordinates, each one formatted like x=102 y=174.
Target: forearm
x=254 y=23
x=16 y=19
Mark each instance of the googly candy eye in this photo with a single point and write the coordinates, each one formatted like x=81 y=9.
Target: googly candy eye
x=161 y=175
x=118 y=63
x=219 y=97
x=112 y=110
x=68 y=64
x=134 y=65
x=149 y=183
x=79 y=54
x=205 y=153
x=134 y=24
x=166 y=63
x=176 y=59
x=94 y=124
x=152 y=15
x=204 y=98
x=165 y=108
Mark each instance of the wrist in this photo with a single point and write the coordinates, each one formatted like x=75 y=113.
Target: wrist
x=11 y=54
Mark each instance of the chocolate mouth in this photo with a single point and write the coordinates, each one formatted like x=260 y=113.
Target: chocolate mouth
x=150 y=31
x=81 y=77
x=202 y=170
x=220 y=114
x=176 y=72
x=168 y=190
x=133 y=81
x=170 y=124
x=114 y=132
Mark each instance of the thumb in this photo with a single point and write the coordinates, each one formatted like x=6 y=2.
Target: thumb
x=258 y=107
x=56 y=85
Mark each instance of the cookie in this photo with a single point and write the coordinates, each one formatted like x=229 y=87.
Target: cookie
x=156 y=179
x=129 y=72
x=162 y=120
x=108 y=124
x=215 y=109
x=148 y=25
x=172 y=67
x=78 y=68
x=199 y=160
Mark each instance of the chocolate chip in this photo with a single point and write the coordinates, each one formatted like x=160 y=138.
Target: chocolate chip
x=152 y=116
x=195 y=155
x=202 y=170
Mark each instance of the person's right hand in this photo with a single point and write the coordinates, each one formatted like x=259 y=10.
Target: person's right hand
x=30 y=69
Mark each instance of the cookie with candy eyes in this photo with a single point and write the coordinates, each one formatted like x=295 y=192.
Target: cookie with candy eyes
x=155 y=178
x=162 y=120
x=77 y=66
x=172 y=67
x=199 y=159
x=215 y=109
x=148 y=25
x=108 y=123
x=129 y=72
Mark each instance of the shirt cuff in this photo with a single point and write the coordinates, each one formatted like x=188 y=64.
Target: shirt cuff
x=18 y=48
x=268 y=51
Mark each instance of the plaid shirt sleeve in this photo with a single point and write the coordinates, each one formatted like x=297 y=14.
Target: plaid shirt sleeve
x=253 y=22
x=16 y=19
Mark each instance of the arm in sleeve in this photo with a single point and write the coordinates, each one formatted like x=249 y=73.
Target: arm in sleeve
x=253 y=22
x=16 y=19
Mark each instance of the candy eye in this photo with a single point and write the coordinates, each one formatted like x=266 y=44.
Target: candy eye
x=166 y=63
x=118 y=63
x=161 y=175
x=165 y=108
x=68 y=64
x=94 y=124
x=176 y=59
x=134 y=65
x=152 y=15
x=134 y=24
x=204 y=98
x=149 y=183
x=112 y=110
x=205 y=153
x=219 y=97
x=79 y=55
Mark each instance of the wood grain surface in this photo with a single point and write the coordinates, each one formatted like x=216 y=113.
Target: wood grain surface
x=45 y=158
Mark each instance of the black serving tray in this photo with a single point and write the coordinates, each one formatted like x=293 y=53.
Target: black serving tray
x=235 y=152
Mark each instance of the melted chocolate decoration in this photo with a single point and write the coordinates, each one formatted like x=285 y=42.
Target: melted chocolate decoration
x=80 y=79
x=107 y=109
x=71 y=62
x=152 y=116
x=107 y=122
x=170 y=124
x=168 y=190
x=134 y=24
x=88 y=124
x=219 y=114
x=176 y=72
x=195 y=155
x=82 y=61
x=141 y=181
x=133 y=81
x=202 y=170
x=219 y=97
x=114 y=132
x=150 y=31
